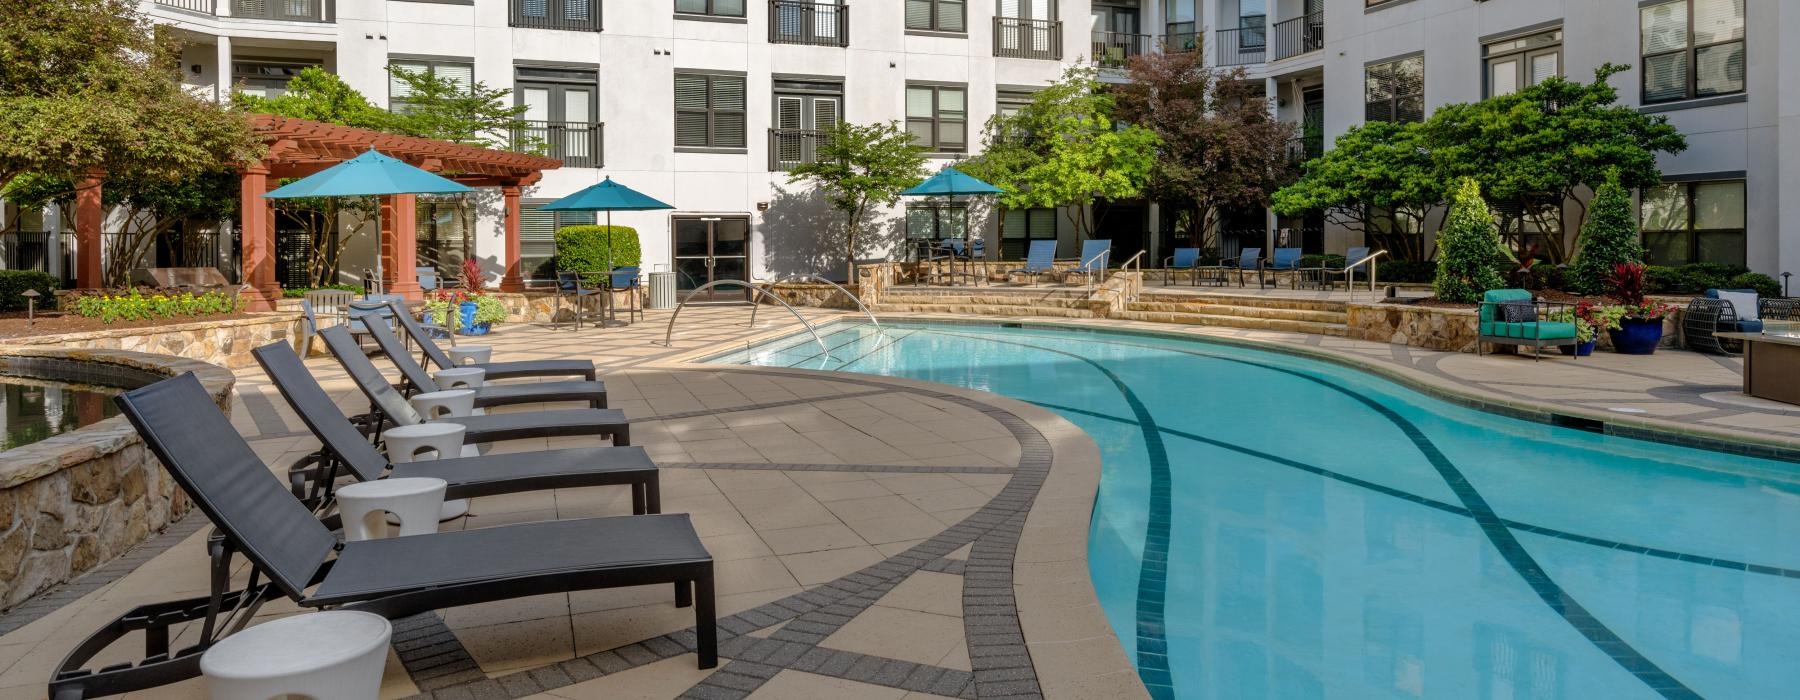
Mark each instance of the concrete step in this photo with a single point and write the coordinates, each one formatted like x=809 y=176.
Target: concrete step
x=982 y=300
x=1264 y=324
x=1315 y=316
x=983 y=310
x=1017 y=295
x=1226 y=299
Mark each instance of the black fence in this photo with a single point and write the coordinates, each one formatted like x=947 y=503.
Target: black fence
x=576 y=144
x=808 y=23
x=1242 y=47
x=1299 y=35
x=1028 y=38
x=571 y=15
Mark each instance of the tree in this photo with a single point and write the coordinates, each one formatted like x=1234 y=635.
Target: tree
x=859 y=167
x=1378 y=179
x=150 y=209
x=1468 y=246
x=1221 y=147
x=475 y=114
x=317 y=95
x=1005 y=157
x=1609 y=238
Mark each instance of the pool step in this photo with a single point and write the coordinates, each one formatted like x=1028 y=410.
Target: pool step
x=1202 y=299
x=888 y=307
x=1268 y=312
x=1232 y=321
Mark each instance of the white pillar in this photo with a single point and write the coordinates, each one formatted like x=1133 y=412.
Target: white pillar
x=1271 y=90
x=53 y=226
x=222 y=81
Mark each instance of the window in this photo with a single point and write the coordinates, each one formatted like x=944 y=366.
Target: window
x=1689 y=222
x=460 y=72
x=266 y=77
x=445 y=225
x=1519 y=62
x=1395 y=91
x=576 y=15
x=1011 y=101
x=717 y=8
x=537 y=236
x=937 y=15
x=1023 y=226
x=1692 y=48
x=804 y=111
x=937 y=221
x=709 y=111
x=937 y=117
x=561 y=114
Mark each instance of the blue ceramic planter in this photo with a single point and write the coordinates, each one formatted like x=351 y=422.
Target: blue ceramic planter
x=1637 y=336
x=1579 y=349
x=468 y=325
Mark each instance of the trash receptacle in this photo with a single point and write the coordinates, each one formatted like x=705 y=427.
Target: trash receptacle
x=662 y=290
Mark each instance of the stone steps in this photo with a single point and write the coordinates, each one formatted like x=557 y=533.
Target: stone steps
x=889 y=307
x=1241 y=300
x=1229 y=321
x=1268 y=312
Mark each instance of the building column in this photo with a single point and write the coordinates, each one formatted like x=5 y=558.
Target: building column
x=514 y=279
x=222 y=81
x=53 y=228
x=89 y=215
x=257 y=236
x=399 y=245
x=1271 y=91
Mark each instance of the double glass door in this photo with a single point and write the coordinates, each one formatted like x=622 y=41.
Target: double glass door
x=562 y=118
x=710 y=249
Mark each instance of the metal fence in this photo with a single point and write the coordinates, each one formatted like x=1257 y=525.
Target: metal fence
x=1115 y=49
x=572 y=15
x=1027 y=38
x=206 y=7
x=808 y=23
x=1242 y=47
x=792 y=147
x=1299 y=35
x=577 y=144
x=290 y=10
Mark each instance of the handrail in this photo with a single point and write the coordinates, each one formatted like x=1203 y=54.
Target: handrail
x=1088 y=265
x=817 y=278
x=1134 y=261
x=1350 y=275
x=669 y=334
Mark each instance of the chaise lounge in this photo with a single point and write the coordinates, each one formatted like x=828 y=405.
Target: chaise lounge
x=495 y=370
x=416 y=379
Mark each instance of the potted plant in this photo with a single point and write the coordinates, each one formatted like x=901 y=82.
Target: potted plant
x=443 y=308
x=488 y=311
x=1640 y=324
x=1591 y=318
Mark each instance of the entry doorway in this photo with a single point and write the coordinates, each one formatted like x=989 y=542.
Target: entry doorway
x=709 y=249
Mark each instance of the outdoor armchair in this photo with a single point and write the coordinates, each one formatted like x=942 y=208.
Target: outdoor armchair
x=497 y=370
x=1095 y=255
x=1183 y=259
x=1286 y=260
x=626 y=279
x=1248 y=259
x=1514 y=317
x=569 y=284
x=1039 y=259
x=1721 y=311
x=415 y=378
x=1353 y=259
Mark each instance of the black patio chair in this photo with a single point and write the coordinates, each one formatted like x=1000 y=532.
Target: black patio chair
x=292 y=554
x=496 y=370
x=416 y=378
x=388 y=406
x=345 y=449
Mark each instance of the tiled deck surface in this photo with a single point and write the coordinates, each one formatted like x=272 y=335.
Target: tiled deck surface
x=875 y=538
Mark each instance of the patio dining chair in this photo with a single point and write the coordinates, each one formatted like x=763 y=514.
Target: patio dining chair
x=570 y=285
x=1183 y=259
x=626 y=279
x=1286 y=260
x=1095 y=255
x=1353 y=259
x=428 y=278
x=415 y=379
x=1040 y=258
x=496 y=370
x=1247 y=259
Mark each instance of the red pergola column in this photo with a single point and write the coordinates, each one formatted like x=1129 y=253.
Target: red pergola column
x=89 y=215
x=514 y=280
x=257 y=233
x=399 y=245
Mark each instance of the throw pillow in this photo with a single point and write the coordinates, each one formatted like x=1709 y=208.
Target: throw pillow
x=1744 y=303
x=1519 y=312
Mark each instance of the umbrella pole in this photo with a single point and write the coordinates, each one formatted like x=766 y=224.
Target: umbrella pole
x=377 y=285
x=612 y=311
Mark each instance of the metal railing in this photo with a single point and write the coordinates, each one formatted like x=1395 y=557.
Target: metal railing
x=1181 y=42
x=1135 y=264
x=669 y=334
x=572 y=15
x=205 y=7
x=816 y=278
x=1242 y=47
x=1304 y=148
x=26 y=250
x=809 y=23
x=790 y=148
x=1015 y=37
x=287 y=10
x=1299 y=35
x=1350 y=273
x=576 y=144
x=1114 y=49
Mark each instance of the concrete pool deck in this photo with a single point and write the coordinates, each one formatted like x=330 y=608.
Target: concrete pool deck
x=875 y=537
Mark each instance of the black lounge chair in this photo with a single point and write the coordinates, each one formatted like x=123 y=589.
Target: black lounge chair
x=496 y=370
x=417 y=379
x=292 y=554
x=344 y=448
x=388 y=406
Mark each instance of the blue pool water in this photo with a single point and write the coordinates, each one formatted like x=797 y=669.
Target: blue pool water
x=1326 y=533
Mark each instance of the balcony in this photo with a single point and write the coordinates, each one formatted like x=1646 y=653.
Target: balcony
x=284 y=10
x=1242 y=47
x=1181 y=42
x=790 y=148
x=1299 y=35
x=568 y=15
x=809 y=23
x=577 y=144
x=1115 y=50
x=1304 y=148
x=1028 y=38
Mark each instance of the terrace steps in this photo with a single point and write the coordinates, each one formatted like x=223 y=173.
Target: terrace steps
x=988 y=301
x=1318 y=316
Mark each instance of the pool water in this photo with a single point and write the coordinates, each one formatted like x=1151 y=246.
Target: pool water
x=1274 y=526
x=34 y=409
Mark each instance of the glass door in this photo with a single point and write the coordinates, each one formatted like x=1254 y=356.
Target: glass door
x=709 y=249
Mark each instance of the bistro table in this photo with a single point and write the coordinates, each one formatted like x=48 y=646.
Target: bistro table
x=1772 y=361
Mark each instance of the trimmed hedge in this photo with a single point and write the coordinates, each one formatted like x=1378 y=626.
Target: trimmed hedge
x=584 y=248
x=300 y=292
x=14 y=282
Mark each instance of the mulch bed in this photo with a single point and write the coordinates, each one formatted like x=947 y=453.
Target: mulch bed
x=14 y=325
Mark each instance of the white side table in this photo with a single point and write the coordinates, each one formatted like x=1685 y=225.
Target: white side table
x=416 y=501
x=413 y=443
x=454 y=403
x=332 y=654
x=470 y=354
x=460 y=378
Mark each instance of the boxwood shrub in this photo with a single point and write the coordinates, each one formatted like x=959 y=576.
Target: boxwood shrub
x=15 y=282
x=583 y=248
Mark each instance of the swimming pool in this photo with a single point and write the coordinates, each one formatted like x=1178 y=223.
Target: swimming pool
x=1274 y=526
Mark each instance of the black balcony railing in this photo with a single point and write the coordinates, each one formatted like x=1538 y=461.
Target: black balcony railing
x=1304 y=148
x=288 y=10
x=577 y=144
x=1299 y=35
x=205 y=7
x=808 y=23
x=572 y=15
x=1028 y=38
x=1114 y=50
x=789 y=148
x=1181 y=42
x=1242 y=47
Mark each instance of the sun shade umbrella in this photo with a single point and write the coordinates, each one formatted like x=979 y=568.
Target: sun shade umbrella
x=370 y=174
x=608 y=196
x=950 y=182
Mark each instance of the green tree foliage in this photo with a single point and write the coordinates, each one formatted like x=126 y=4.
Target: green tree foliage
x=1378 y=179
x=1468 y=246
x=860 y=167
x=320 y=96
x=1220 y=146
x=588 y=248
x=1608 y=238
x=474 y=114
x=150 y=209
x=88 y=84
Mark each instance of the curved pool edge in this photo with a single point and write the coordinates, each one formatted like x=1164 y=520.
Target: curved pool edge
x=1073 y=647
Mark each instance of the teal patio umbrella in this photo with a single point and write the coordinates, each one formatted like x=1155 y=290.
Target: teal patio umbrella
x=950 y=182
x=370 y=174
x=608 y=196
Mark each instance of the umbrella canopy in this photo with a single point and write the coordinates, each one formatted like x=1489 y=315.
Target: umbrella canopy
x=368 y=174
x=606 y=196
x=950 y=182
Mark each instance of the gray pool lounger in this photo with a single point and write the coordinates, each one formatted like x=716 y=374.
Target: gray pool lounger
x=496 y=370
x=418 y=379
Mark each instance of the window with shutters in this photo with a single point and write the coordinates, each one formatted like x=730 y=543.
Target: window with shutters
x=805 y=112
x=1690 y=222
x=1022 y=226
x=937 y=116
x=937 y=221
x=458 y=71
x=573 y=15
x=937 y=15
x=537 y=236
x=709 y=112
x=1512 y=64
x=1394 y=91
x=715 y=8
x=1691 y=48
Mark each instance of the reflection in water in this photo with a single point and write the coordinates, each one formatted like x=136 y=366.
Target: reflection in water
x=33 y=409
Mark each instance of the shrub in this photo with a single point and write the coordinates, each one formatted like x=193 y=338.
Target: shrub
x=1764 y=285
x=1467 y=248
x=489 y=309
x=1332 y=261
x=1695 y=278
x=15 y=282
x=1608 y=239
x=1405 y=271
x=136 y=305
x=300 y=293
x=584 y=248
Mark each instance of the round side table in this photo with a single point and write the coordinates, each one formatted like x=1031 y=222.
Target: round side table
x=412 y=443
x=331 y=654
x=417 y=502
x=460 y=378
x=454 y=403
x=470 y=355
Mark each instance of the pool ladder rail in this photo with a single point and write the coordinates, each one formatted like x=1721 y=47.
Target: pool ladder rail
x=757 y=291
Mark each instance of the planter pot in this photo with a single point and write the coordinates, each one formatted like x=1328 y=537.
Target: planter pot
x=1579 y=349
x=476 y=329
x=1637 y=336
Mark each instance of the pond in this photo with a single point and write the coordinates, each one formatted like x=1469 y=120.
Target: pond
x=35 y=409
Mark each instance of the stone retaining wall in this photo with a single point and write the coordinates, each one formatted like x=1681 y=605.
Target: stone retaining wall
x=74 y=501
x=1451 y=329
x=226 y=343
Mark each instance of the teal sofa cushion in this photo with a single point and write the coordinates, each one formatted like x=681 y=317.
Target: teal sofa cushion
x=1489 y=312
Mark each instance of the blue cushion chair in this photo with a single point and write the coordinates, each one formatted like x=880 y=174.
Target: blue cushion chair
x=1039 y=259
x=625 y=279
x=1721 y=311
x=1513 y=317
x=1183 y=259
x=1286 y=260
x=1095 y=254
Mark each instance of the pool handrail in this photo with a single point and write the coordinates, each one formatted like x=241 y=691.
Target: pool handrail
x=818 y=278
x=669 y=334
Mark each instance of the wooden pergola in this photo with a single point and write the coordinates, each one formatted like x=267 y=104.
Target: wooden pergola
x=297 y=148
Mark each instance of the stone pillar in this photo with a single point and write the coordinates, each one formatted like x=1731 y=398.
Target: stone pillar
x=399 y=245
x=89 y=216
x=514 y=280
x=257 y=234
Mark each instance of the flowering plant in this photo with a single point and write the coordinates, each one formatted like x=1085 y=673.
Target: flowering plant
x=136 y=305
